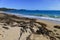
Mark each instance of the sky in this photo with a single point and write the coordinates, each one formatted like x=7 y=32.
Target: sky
x=31 y=4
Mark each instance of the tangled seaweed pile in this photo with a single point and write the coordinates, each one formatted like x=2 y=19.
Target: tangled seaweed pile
x=28 y=27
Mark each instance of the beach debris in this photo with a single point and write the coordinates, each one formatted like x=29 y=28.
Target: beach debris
x=29 y=26
x=5 y=27
x=58 y=27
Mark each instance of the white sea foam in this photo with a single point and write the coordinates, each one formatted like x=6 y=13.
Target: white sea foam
x=36 y=17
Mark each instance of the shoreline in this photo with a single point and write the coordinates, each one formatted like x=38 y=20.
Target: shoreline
x=35 y=17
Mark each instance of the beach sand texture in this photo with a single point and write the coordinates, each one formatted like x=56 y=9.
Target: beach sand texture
x=21 y=28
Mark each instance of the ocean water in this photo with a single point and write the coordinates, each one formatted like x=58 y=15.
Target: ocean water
x=41 y=14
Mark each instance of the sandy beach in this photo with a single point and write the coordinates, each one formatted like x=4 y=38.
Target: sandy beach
x=14 y=27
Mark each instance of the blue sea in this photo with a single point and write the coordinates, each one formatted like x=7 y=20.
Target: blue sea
x=44 y=14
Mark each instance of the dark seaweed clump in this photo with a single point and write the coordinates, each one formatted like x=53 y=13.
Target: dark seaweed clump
x=6 y=28
x=58 y=27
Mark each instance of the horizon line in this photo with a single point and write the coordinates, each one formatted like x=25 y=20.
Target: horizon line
x=31 y=9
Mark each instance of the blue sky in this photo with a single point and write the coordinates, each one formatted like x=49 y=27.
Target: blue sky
x=31 y=4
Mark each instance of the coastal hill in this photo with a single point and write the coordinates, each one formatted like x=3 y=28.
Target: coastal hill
x=14 y=27
x=5 y=9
